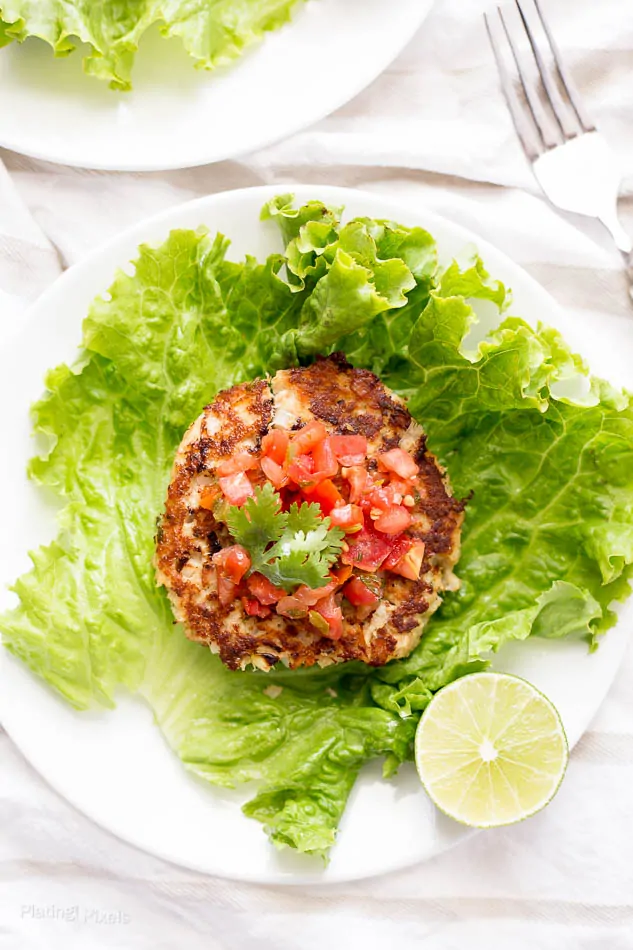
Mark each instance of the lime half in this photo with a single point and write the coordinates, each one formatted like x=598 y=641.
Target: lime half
x=490 y=749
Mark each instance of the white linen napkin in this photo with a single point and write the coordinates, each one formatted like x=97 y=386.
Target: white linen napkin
x=434 y=131
x=28 y=261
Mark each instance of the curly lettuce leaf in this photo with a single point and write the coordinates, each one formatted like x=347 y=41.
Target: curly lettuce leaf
x=155 y=353
x=310 y=235
x=353 y=273
x=112 y=424
x=345 y=297
x=214 y=33
x=550 y=481
x=543 y=514
x=90 y=618
x=303 y=736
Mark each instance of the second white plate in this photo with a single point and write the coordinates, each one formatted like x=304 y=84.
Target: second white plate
x=178 y=116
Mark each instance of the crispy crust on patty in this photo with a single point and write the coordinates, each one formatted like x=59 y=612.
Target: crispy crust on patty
x=348 y=401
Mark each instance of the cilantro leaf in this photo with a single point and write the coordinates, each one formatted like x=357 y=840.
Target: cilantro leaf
x=306 y=517
x=258 y=523
x=289 y=548
x=306 y=550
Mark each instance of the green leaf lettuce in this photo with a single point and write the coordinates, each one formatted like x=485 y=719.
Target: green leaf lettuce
x=214 y=33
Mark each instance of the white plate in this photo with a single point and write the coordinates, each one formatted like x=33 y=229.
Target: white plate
x=178 y=116
x=115 y=766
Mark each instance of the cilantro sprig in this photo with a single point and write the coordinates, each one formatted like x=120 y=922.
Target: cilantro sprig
x=289 y=548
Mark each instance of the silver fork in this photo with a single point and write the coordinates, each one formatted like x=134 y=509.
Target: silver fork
x=571 y=160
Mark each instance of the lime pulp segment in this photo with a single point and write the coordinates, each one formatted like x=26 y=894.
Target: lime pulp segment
x=490 y=749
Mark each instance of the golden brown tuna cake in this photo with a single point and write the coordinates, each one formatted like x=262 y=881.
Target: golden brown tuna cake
x=348 y=402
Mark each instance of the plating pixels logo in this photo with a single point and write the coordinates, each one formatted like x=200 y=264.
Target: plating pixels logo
x=73 y=913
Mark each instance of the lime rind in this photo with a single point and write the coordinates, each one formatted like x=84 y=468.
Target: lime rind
x=497 y=716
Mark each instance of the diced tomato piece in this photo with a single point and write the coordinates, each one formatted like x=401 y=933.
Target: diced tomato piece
x=348 y=517
x=367 y=550
x=393 y=521
x=326 y=494
x=263 y=589
x=325 y=464
x=306 y=439
x=398 y=461
x=240 y=462
x=236 y=488
x=227 y=590
x=342 y=573
x=330 y=611
x=358 y=594
x=254 y=609
x=349 y=449
x=310 y=595
x=289 y=496
x=301 y=470
x=209 y=496
x=274 y=472
x=275 y=445
x=400 y=486
x=359 y=482
x=380 y=498
x=232 y=562
x=304 y=598
x=399 y=547
x=257 y=478
x=410 y=563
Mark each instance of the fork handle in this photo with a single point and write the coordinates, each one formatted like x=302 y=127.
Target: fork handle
x=623 y=243
x=628 y=266
x=622 y=240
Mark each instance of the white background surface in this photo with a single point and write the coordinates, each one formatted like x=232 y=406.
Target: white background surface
x=433 y=129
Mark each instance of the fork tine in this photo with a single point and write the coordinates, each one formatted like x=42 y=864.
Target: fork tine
x=548 y=85
x=554 y=97
x=528 y=131
x=539 y=117
x=581 y=114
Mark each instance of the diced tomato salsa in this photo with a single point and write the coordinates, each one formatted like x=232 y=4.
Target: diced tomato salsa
x=370 y=503
x=359 y=594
